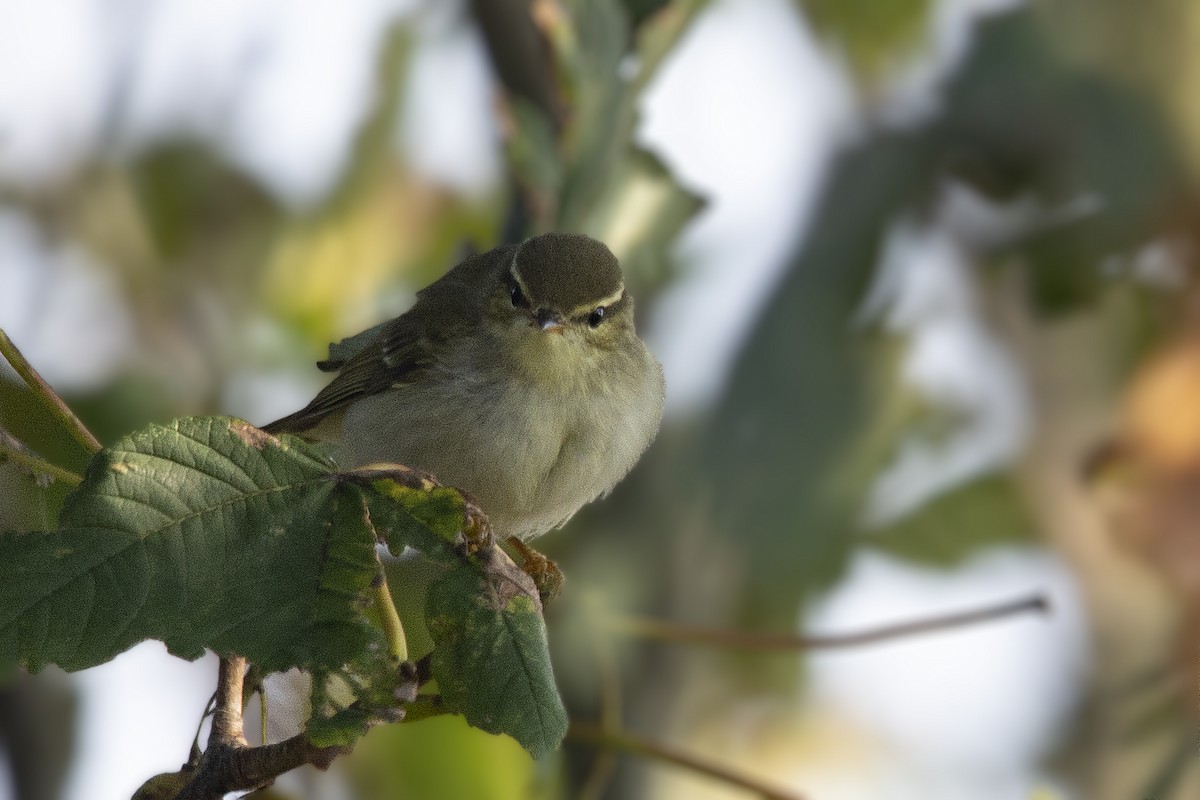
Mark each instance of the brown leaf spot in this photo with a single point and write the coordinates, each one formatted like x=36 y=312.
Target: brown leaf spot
x=506 y=581
x=256 y=438
x=405 y=476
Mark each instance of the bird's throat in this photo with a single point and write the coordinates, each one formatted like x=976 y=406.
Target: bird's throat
x=555 y=360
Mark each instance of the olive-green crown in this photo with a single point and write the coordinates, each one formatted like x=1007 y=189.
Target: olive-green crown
x=565 y=271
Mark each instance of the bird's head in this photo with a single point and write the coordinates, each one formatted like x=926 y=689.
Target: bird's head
x=562 y=297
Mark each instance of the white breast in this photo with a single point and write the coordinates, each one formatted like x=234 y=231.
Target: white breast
x=531 y=453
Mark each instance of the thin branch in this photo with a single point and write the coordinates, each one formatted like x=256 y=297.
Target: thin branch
x=643 y=628
x=231 y=769
x=47 y=395
x=393 y=628
x=227 y=726
x=582 y=733
x=229 y=764
x=38 y=464
x=209 y=707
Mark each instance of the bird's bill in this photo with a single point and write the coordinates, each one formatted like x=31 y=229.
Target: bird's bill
x=549 y=321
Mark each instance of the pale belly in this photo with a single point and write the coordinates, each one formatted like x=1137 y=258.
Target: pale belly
x=530 y=457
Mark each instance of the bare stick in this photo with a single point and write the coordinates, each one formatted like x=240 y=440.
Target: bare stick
x=643 y=628
x=240 y=768
x=38 y=464
x=47 y=395
x=228 y=764
x=590 y=734
x=227 y=726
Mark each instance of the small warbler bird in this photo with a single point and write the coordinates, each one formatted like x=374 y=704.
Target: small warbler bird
x=517 y=377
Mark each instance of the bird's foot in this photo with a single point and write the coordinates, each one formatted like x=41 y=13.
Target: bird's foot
x=547 y=577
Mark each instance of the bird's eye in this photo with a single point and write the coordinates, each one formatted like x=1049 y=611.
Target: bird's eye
x=597 y=316
x=517 y=296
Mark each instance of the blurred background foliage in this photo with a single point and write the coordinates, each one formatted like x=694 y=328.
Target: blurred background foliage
x=980 y=341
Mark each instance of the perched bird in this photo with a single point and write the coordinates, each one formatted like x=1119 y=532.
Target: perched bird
x=517 y=377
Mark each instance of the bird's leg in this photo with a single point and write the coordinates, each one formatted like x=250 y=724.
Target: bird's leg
x=547 y=577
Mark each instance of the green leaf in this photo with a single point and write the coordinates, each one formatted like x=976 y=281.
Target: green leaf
x=350 y=685
x=490 y=657
x=340 y=728
x=210 y=533
x=959 y=523
x=410 y=509
x=205 y=533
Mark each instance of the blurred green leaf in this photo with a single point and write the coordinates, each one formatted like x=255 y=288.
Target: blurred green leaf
x=598 y=133
x=534 y=162
x=875 y=34
x=797 y=399
x=640 y=215
x=591 y=177
x=958 y=524
x=639 y=10
x=441 y=758
x=490 y=659
x=187 y=193
x=372 y=154
x=1022 y=120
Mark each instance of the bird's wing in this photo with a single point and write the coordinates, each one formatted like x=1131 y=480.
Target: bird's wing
x=399 y=353
x=341 y=352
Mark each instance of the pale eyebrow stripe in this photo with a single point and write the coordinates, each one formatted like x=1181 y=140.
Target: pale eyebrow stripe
x=515 y=273
x=606 y=301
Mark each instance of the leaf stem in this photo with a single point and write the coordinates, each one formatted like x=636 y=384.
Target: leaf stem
x=393 y=628
x=38 y=464
x=583 y=733
x=644 y=628
x=47 y=395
